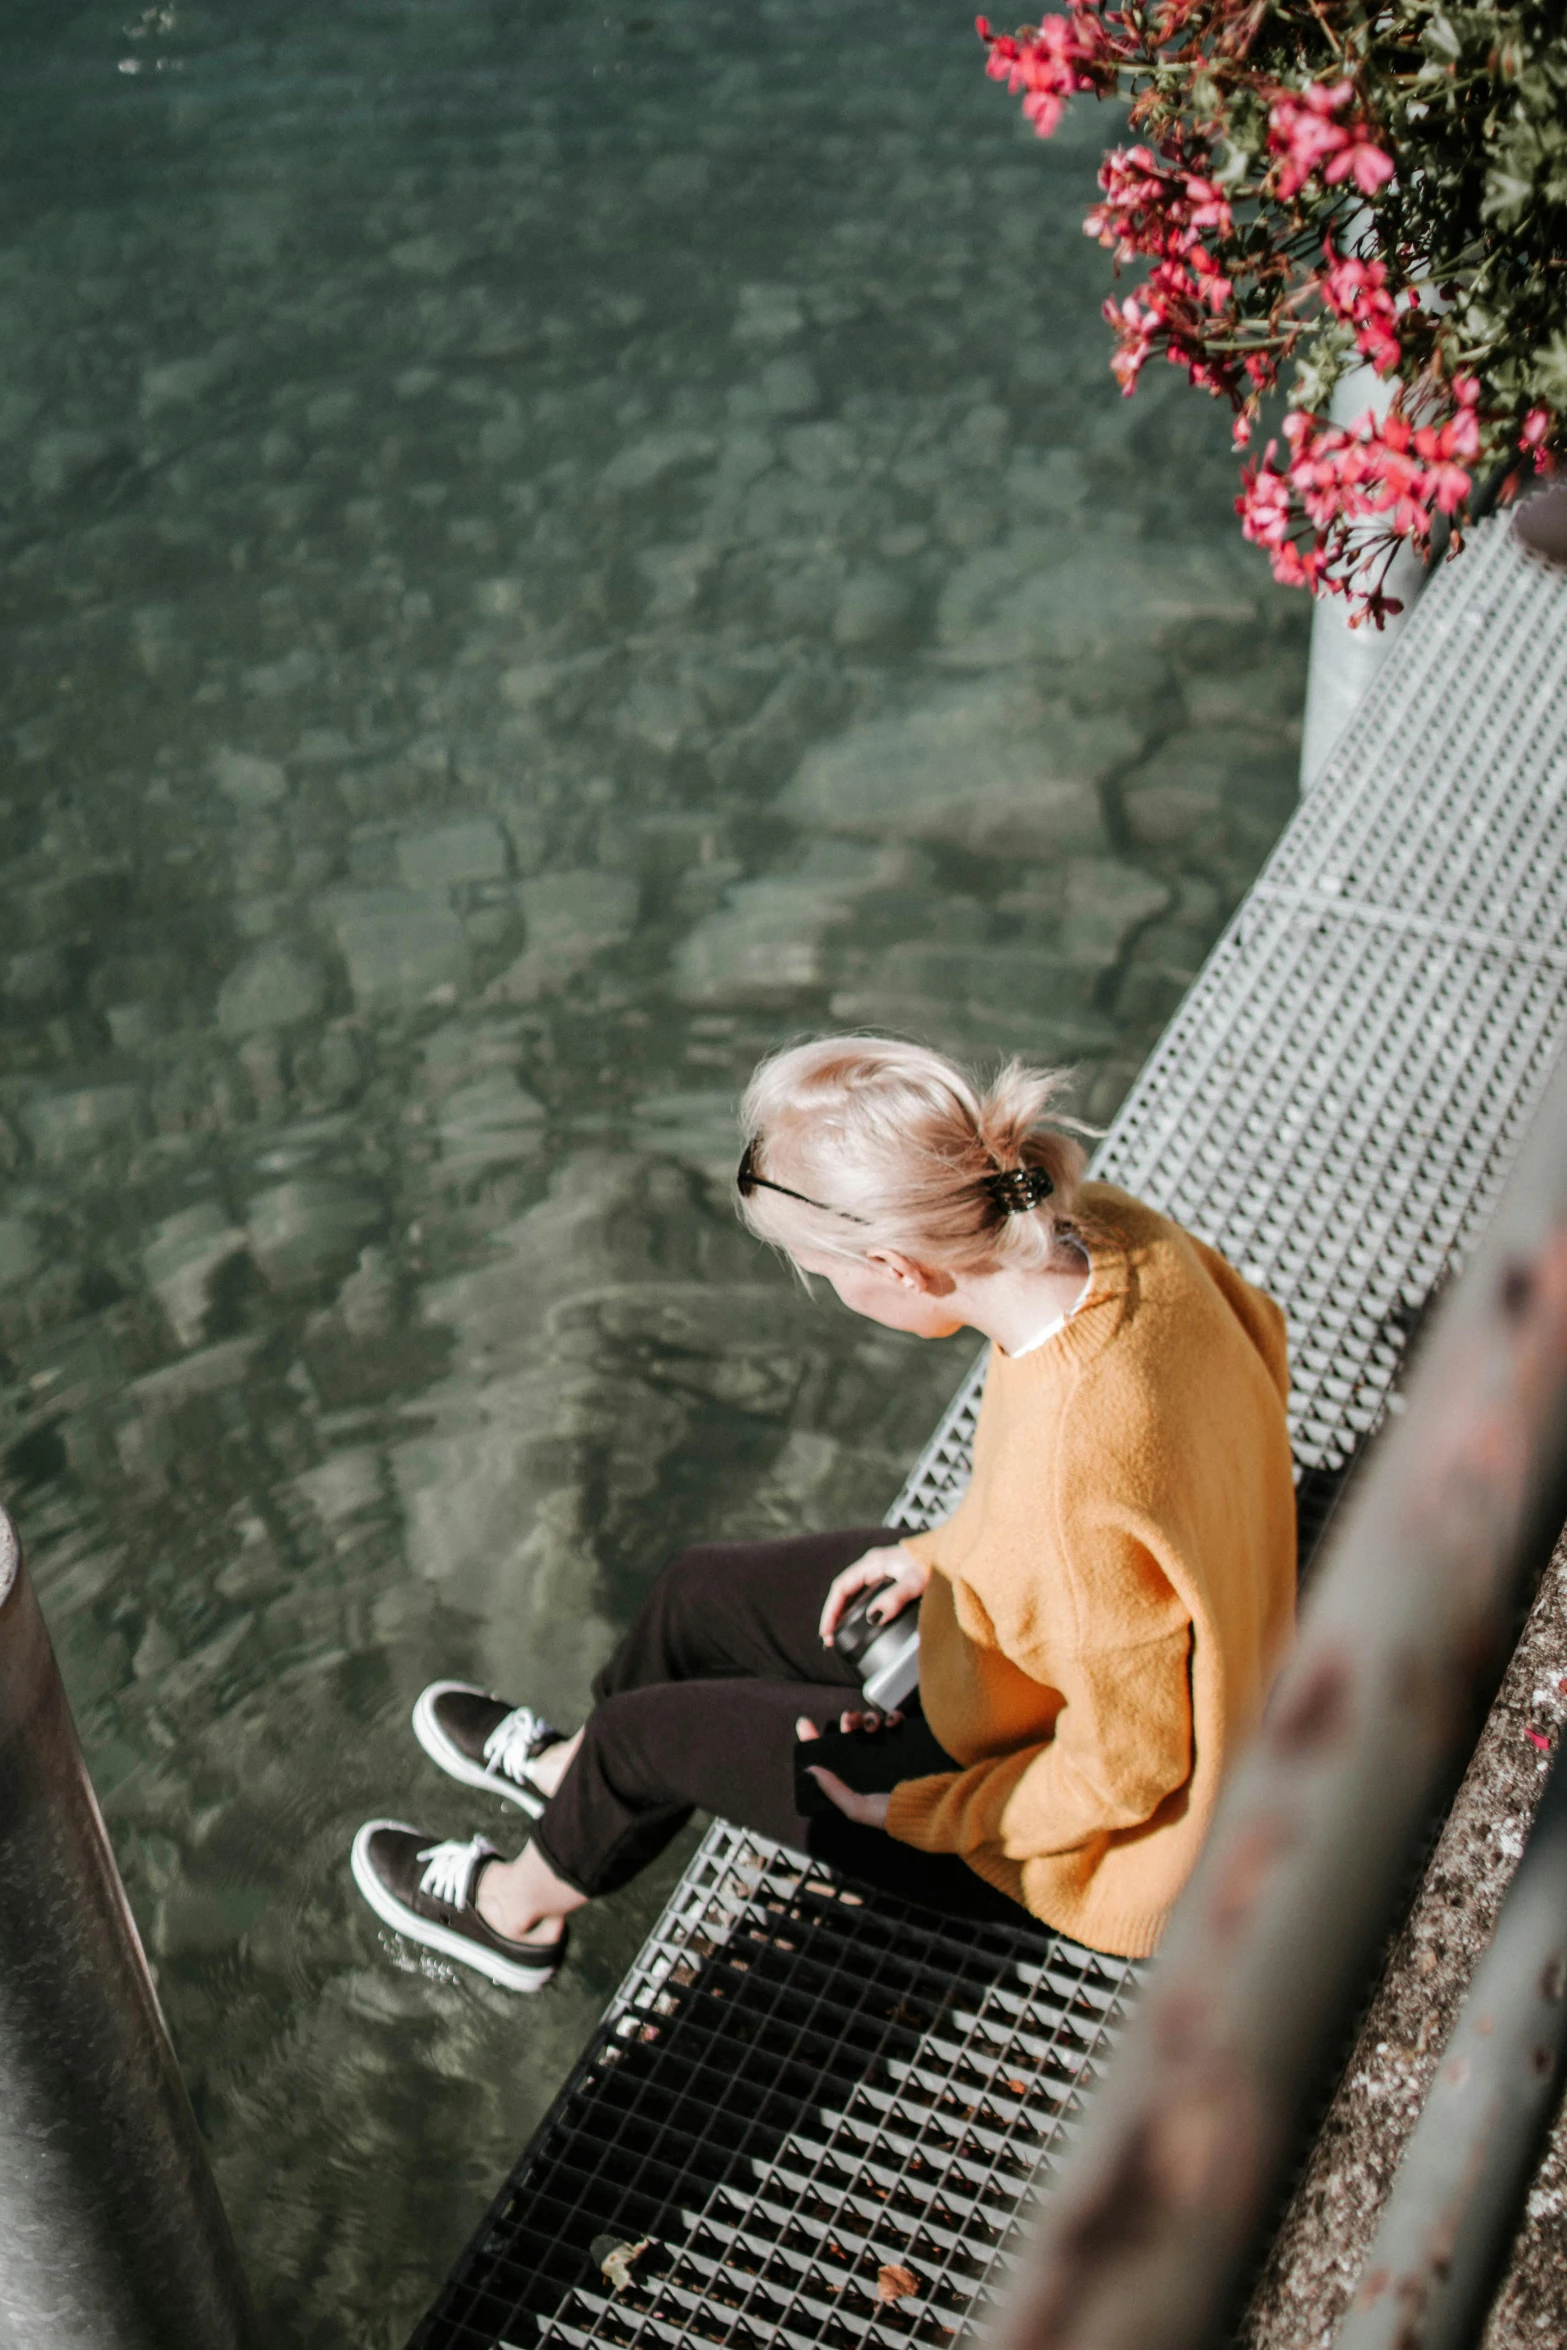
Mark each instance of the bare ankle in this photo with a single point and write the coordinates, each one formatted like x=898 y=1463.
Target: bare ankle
x=552 y=1766
x=524 y=1899
x=496 y=1902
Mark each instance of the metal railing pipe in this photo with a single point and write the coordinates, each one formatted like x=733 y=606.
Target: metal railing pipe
x=1458 y=2192
x=112 y=2236
x=1145 y=2240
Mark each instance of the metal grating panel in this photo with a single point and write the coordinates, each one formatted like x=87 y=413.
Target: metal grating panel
x=951 y=2056
x=795 y=2084
x=1338 y=1100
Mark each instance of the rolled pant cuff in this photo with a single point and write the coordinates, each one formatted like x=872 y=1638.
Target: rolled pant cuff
x=566 y=1876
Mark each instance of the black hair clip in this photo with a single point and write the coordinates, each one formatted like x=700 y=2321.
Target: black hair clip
x=1018 y=1190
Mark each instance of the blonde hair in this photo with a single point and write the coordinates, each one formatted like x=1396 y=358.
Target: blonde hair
x=895 y=1145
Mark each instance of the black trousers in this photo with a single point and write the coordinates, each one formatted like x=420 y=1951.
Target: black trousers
x=696 y=1711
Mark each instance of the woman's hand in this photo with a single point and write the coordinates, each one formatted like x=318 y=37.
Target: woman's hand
x=909 y=1577
x=869 y=1810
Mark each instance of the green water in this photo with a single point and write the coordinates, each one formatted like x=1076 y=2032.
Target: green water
x=544 y=554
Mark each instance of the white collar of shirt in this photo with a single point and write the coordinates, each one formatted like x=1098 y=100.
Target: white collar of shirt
x=1054 y=1328
x=1043 y=1337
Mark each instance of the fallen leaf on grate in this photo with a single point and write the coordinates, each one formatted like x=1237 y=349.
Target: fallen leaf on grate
x=616 y=2259
x=894 y=2283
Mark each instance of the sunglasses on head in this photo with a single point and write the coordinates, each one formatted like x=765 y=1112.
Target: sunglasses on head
x=1016 y=1191
x=747 y=1180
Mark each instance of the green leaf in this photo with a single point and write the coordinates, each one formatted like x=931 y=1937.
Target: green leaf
x=1508 y=195
x=1549 y=372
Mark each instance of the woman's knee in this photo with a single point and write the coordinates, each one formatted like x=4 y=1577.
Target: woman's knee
x=696 y=1567
x=671 y=1635
x=691 y=1588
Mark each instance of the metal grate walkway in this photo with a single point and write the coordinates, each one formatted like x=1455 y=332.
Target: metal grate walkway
x=797 y=2087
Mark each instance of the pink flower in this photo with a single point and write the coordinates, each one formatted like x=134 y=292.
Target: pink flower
x=1133 y=186
x=1356 y=291
x=1135 y=324
x=1363 y=162
x=1046 y=64
x=1302 y=131
x=1044 y=109
x=1154 y=209
x=1538 y=427
x=1264 y=502
x=1268 y=520
x=1447 y=486
x=1209 y=205
x=1333 y=513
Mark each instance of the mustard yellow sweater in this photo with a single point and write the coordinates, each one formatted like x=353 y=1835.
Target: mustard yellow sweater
x=1114 y=1592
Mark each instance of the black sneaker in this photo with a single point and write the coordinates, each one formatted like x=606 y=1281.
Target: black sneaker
x=483 y=1741
x=425 y=1889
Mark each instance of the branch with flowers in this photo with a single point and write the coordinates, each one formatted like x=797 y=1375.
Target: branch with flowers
x=1317 y=187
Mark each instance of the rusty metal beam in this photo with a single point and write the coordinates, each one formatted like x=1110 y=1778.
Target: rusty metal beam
x=1147 y=2233
x=1456 y=2198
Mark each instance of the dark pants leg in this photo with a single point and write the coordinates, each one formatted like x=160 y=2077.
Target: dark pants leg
x=740 y=1610
x=696 y=1710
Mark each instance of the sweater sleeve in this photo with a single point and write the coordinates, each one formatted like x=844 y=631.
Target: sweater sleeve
x=1122 y=1744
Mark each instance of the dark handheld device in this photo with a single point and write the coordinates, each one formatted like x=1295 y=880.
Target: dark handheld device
x=886 y=1656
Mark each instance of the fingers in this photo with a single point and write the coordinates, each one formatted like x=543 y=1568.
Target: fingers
x=839 y=1594
x=890 y=1601
x=909 y=1576
x=869 y=1810
x=874 y=1566
x=850 y=1804
x=850 y=1719
x=842 y=1589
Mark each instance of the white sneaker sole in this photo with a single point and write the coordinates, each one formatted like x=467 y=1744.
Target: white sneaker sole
x=455 y=1763
x=508 y=1973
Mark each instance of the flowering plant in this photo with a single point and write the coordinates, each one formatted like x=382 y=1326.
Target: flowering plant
x=1324 y=187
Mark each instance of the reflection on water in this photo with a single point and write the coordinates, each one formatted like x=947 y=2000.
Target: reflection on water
x=544 y=555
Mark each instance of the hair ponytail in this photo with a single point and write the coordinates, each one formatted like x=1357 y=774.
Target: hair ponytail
x=900 y=1148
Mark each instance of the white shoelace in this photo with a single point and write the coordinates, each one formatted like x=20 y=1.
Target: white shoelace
x=450 y=1874
x=511 y=1743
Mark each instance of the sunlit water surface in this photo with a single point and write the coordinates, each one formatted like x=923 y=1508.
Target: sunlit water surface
x=545 y=554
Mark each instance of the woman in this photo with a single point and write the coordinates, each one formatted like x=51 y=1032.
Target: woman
x=1101 y=1616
